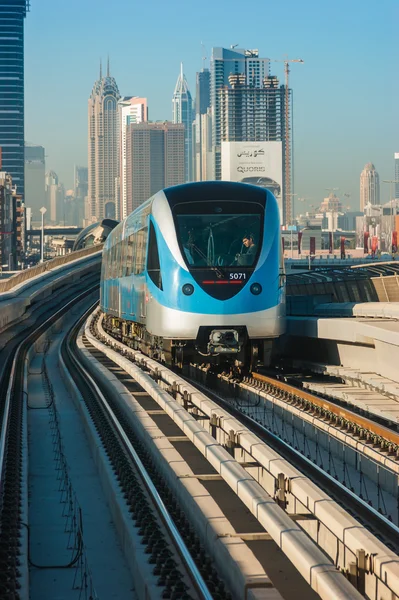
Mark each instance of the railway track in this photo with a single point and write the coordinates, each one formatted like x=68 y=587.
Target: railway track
x=12 y=435
x=385 y=437
x=285 y=492
x=383 y=528
x=174 y=566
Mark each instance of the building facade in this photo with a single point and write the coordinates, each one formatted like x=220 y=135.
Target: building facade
x=155 y=155
x=35 y=171
x=12 y=102
x=76 y=204
x=225 y=62
x=251 y=114
x=80 y=181
x=131 y=109
x=202 y=130
x=55 y=200
x=204 y=156
x=102 y=149
x=11 y=224
x=182 y=109
x=331 y=204
x=369 y=186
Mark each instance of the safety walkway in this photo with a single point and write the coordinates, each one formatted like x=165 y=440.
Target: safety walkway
x=363 y=350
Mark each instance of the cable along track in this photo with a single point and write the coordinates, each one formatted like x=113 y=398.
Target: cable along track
x=13 y=425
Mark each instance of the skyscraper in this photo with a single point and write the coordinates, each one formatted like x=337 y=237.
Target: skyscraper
x=54 y=199
x=396 y=175
x=202 y=131
x=131 y=109
x=154 y=159
x=369 y=186
x=80 y=188
x=12 y=14
x=225 y=62
x=102 y=149
x=80 y=178
x=182 y=107
x=203 y=92
x=35 y=168
x=249 y=113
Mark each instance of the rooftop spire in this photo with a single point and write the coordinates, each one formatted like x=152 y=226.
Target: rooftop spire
x=108 y=66
x=101 y=69
x=181 y=70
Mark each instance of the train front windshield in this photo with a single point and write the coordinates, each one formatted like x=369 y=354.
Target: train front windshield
x=219 y=234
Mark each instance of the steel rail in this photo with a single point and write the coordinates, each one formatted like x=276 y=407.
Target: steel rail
x=12 y=377
x=384 y=435
x=184 y=553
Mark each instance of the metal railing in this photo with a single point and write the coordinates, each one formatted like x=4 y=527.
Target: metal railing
x=9 y=284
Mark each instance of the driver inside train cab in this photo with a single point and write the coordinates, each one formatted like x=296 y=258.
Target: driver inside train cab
x=247 y=258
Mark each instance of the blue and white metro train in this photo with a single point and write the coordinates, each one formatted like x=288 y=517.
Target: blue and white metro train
x=195 y=274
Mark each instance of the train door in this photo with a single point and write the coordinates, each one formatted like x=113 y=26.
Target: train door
x=141 y=254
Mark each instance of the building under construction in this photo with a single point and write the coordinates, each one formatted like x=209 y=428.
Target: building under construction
x=249 y=113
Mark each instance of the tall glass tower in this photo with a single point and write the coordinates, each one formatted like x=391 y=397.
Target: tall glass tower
x=369 y=186
x=182 y=106
x=102 y=149
x=12 y=14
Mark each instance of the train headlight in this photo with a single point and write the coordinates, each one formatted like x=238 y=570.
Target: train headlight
x=256 y=289
x=188 y=289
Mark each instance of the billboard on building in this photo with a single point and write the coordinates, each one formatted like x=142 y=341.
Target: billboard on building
x=257 y=163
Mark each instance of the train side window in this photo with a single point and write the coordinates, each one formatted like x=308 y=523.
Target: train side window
x=125 y=251
x=116 y=253
x=117 y=259
x=137 y=253
x=140 y=248
x=108 y=264
x=153 y=264
x=112 y=266
x=129 y=258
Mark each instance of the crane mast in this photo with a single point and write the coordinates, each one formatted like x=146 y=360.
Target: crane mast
x=287 y=213
x=287 y=147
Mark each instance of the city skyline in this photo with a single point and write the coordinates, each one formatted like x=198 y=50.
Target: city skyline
x=331 y=141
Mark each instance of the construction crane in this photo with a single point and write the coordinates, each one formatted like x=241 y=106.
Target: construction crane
x=204 y=57
x=287 y=138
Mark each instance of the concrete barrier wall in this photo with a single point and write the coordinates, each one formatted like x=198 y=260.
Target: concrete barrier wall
x=14 y=304
x=28 y=274
x=375 y=289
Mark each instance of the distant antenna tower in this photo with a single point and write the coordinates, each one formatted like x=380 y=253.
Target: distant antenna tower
x=204 y=57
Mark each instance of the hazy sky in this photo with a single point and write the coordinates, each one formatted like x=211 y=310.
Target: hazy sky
x=346 y=94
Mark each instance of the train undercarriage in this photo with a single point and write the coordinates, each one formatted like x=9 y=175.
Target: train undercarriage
x=223 y=348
